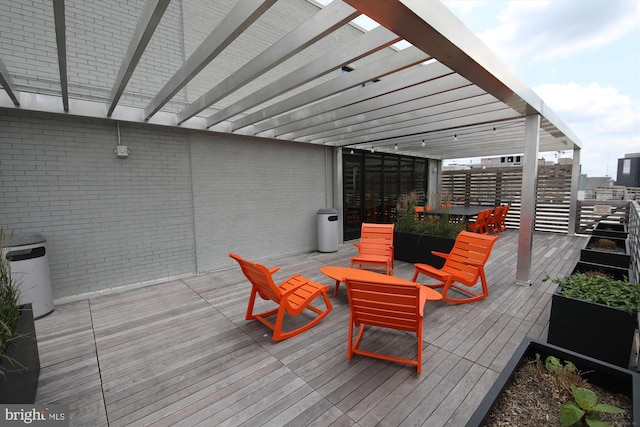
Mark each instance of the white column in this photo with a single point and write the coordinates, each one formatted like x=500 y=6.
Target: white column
x=573 y=200
x=528 y=198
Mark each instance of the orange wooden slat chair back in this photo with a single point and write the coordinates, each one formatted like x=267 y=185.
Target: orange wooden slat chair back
x=395 y=306
x=292 y=296
x=502 y=222
x=464 y=265
x=494 y=220
x=480 y=224
x=375 y=249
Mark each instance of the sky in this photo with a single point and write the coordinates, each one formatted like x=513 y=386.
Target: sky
x=582 y=58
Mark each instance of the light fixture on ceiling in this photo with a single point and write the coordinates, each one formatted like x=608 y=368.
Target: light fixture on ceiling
x=494 y=130
x=351 y=151
x=423 y=143
x=373 y=149
x=455 y=137
x=395 y=147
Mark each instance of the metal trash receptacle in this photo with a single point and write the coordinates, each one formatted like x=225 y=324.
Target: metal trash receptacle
x=328 y=230
x=29 y=264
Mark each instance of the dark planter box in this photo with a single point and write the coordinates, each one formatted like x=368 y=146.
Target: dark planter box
x=617 y=273
x=611 y=229
x=416 y=248
x=20 y=364
x=602 y=374
x=596 y=330
x=620 y=257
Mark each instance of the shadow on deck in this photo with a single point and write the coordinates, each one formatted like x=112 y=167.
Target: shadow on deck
x=181 y=352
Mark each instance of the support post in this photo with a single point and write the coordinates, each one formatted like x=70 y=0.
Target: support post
x=528 y=197
x=573 y=196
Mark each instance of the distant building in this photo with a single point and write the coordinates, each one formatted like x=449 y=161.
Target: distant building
x=629 y=170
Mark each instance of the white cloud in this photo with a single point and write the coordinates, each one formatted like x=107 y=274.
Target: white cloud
x=545 y=30
x=607 y=122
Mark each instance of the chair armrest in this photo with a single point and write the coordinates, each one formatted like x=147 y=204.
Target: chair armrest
x=440 y=254
x=274 y=269
x=422 y=299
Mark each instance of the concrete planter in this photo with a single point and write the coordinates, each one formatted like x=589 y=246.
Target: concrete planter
x=619 y=256
x=20 y=364
x=596 y=330
x=416 y=248
x=596 y=372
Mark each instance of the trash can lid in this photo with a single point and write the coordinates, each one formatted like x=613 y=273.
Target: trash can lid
x=27 y=239
x=328 y=211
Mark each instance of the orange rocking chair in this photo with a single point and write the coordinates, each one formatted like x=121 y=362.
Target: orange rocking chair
x=293 y=296
x=395 y=306
x=464 y=264
x=375 y=248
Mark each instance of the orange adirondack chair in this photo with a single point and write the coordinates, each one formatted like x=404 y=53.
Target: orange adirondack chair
x=502 y=224
x=493 y=224
x=375 y=248
x=293 y=296
x=480 y=224
x=395 y=306
x=464 y=265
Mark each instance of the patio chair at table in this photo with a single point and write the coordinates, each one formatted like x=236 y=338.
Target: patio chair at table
x=502 y=222
x=493 y=223
x=292 y=296
x=386 y=305
x=480 y=224
x=375 y=250
x=464 y=265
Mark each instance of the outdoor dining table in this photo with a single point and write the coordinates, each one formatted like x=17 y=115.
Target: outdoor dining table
x=340 y=274
x=463 y=212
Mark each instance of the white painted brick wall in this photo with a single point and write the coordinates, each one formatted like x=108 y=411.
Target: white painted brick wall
x=111 y=222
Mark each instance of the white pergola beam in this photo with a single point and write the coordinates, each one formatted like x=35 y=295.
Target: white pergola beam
x=61 y=44
x=239 y=18
x=370 y=42
x=149 y=19
x=321 y=24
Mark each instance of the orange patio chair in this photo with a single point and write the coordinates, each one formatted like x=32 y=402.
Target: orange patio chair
x=480 y=224
x=464 y=265
x=502 y=222
x=493 y=223
x=395 y=306
x=292 y=296
x=375 y=249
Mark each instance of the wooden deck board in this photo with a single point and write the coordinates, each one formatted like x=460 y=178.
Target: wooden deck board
x=181 y=352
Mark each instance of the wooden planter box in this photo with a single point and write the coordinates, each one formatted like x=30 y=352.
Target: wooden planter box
x=611 y=229
x=618 y=257
x=617 y=273
x=416 y=248
x=596 y=330
x=605 y=375
x=20 y=364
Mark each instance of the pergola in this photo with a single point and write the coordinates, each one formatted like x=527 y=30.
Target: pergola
x=446 y=96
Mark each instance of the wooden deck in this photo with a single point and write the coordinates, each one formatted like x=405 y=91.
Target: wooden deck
x=181 y=353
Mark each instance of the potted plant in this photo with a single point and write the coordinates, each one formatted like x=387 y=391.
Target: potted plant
x=610 y=229
x=593 y=372
x=19 y=359
x=596 y=315
x=617 y=273
x=607 y=251
x=415 y=237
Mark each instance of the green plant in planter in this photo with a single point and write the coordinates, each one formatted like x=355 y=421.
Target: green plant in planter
x=433 y=225
x=585 y=408
x=602 y=289
x=9 y=308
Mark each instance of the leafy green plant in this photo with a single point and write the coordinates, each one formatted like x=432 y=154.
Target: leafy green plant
x=585 y=409
x=602 y=289
x=9 y=292
x=433 y=225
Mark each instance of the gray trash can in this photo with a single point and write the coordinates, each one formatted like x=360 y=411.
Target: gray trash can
x=29 y=264
x=328 y=230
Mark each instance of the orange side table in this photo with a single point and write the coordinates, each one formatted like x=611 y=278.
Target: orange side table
x=339 y=274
